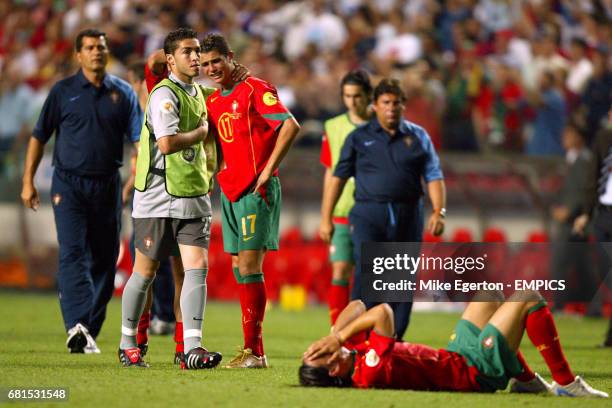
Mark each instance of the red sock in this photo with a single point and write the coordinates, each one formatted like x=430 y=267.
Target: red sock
x=142 y=337
x=543 y=334
x=253 y=304
x=178 y=337
x=527 y=374
x=337 y=299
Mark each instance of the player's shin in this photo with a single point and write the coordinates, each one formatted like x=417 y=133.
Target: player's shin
x=253 y=310
x=193 y=302
x=132 y=305
x=542 y=332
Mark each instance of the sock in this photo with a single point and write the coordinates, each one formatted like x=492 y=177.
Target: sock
x=132 y=304
x=142 y=337
x=543 y=334
x=178 y=337
x=338 y=298
x=527 y=374
x=253 y=304
x=193 y=302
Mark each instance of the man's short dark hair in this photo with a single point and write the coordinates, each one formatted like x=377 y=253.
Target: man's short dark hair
x=389 y=86
x=174 y=37
x=89 y=32
x=216 y=42
x=360 y=78
x=319 y=377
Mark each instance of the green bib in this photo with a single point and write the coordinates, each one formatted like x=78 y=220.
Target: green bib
x=189 y=172
x=337 y=129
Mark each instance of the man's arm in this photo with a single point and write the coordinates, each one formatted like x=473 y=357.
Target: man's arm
x=286 y=135
x=436 y=190
x=175 y=143
x=379 y=318
x=156 y=61
x=29 y=194
x=331 y=195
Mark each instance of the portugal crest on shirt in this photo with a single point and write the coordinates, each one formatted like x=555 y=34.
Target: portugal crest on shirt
x=114 y=95
x=371 y=358
x=488 y=342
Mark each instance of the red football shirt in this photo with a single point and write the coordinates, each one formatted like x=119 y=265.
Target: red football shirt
x=246 y=121
x=381 y=362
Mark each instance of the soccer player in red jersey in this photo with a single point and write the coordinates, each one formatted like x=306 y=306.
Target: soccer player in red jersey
x=480 y=357
x=255 y=131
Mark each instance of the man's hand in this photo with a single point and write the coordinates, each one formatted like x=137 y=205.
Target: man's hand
x=262 y=179
x=436 y=224
x=240 y=72
x=580 y=224
x=326 y=230
x=327 y=345
x=29 y=196
x=203 y=127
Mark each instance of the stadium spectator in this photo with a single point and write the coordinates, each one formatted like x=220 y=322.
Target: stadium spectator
x=550 y=112
x=174 y=169
x=90 y=114
x=15 y=114
x=356 y=92
x=481 y=355
x=580 y=67
x=388 y=200
x=255 y=131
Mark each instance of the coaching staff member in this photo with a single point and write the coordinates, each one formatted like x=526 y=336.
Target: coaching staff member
x=90 y=113
x=388 y=157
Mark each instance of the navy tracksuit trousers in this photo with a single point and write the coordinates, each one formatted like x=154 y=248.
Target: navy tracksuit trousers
x=385 y=222
x=88 y=222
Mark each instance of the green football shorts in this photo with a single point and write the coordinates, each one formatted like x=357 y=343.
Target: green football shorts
x=488 y=351
x=341 y=248
x=251 y=223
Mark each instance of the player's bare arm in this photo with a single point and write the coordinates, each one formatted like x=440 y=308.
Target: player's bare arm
x=379 y=318
x=437 y=194
x=29 y=194
x=175 y=143
x=331 y=194
x=157 y=62
x=286 y=135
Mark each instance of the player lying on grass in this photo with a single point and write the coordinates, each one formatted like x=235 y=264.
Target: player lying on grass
x=482 y=355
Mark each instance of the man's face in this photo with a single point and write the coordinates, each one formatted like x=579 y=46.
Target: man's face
x=355 y=99
x=93 y=55
x=185 y=61
x=388 y=108
x=340 y=366
x=217 y=66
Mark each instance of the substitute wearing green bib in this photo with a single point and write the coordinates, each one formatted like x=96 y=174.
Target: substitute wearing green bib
x=188 y=173
x=337 y=129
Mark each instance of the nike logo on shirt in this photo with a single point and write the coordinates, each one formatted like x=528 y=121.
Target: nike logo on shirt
x=74 y=98
x=368 y=143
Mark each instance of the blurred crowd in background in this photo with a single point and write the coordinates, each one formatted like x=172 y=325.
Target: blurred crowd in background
x=480 y=75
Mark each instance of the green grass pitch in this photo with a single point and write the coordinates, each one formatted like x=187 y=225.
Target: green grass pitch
x=32 y=354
